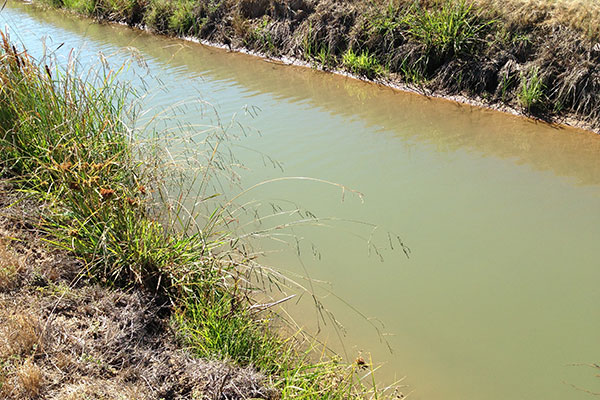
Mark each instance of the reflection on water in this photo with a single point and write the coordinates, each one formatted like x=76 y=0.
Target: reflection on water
x=502 y=214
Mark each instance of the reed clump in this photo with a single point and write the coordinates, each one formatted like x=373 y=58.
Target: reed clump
x=66 y=146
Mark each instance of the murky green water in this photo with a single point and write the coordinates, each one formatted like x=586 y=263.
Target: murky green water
x=501 y=293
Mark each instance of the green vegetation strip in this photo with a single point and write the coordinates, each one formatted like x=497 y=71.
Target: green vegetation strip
x=537 y=57
x=63 y=141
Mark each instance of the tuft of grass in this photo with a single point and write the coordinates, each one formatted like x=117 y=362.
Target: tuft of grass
x=506 y=83
x=315 y=51
x=363 y=64
x=310 y=45
x=231 y=334
x=30 y=379
x=217 y=327
x=181 y=18
x=11 y=265
x=21 y=335
x=325 y=59
x=532 y=90
x=386 y=20
x=128 y=11
x=452 y=28
x=183 y=21
x=412 y=72
x=20 y=340
x=260 y=36
x=158 y=16
x=83 y=6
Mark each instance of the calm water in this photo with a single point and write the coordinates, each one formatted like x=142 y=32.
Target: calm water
x=501 y=292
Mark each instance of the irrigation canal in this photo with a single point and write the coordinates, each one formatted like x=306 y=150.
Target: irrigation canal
x=500 y=295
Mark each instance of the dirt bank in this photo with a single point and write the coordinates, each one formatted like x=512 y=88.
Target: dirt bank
x=534 y=58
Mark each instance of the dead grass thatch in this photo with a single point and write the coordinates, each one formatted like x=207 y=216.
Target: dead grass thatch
x=580 y=15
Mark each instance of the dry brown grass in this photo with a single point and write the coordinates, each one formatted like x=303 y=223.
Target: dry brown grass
x=95 y=343
x=20 y=340
x=30 y=379
x=580 y=15
x=20 y=379
x=11 y=265
x=100 y=389
x=20 y=332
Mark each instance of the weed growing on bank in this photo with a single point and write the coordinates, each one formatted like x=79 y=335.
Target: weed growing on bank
x=450 y=30
x=362 y=64
x=531 y=94
x=65 y=141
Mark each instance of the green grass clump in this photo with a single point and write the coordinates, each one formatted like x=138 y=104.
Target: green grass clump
x=385 y=21
x=532 y=90
x=183 y=20
x=182 y=17
x=129 y=11
x=82 y=6
x=260 y=37
x=362 y=64
x=215 y=326
x=315 y=51
x=158 y=15
x=221 y=331
x=447 y=30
